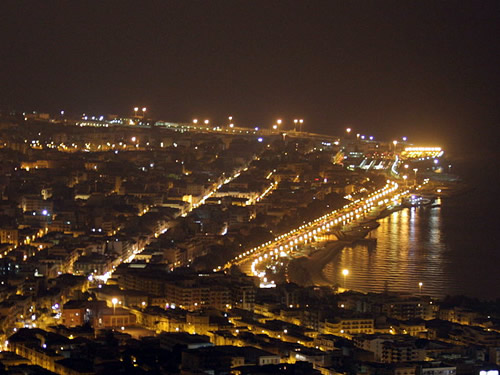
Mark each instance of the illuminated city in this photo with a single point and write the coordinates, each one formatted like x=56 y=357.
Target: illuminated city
x=249 y=188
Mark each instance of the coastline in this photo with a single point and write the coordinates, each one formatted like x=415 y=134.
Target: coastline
x=304 y=270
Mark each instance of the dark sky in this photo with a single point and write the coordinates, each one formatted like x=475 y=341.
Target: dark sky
x=429 y=70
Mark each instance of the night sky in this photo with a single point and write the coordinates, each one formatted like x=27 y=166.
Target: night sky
x=429 y=70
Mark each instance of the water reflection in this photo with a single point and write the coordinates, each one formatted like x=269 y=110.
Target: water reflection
x=409 y=250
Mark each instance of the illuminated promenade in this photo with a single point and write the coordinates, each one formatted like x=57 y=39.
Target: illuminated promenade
x=252 y=261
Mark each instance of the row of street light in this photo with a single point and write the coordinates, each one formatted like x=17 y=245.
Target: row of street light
x=275 y=126
x=306 y=232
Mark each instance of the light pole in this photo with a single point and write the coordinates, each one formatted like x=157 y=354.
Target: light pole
x=345 y=272
x=143 y=112
x=395 y=143
x=195 y=121
x=405 y=177
x=415 y=170
x=135 y=111
x=301 y=121
x=420 y=285
x=114 y=301
x=296 y=121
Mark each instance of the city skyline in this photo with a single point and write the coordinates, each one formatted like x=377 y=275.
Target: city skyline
x=427 y=70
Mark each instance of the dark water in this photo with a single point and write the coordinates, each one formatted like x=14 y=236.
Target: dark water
x=453 y=249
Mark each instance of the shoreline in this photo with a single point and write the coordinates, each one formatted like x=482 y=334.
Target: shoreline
x=304 y=269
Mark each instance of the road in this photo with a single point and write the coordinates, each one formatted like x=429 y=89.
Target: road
x=254 y=260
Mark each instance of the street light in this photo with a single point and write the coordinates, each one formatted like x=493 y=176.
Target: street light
x=348 y=130
x=114 y=301
x=279 y=121
x=296 y=121
x=195 y=121
x=420 y=285
x=275 y=126
x=345 y=272
x=301 y=121
x=135 y=111
x=143 y=111
x=206 y=122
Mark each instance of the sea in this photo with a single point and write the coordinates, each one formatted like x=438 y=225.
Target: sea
x=453 y=249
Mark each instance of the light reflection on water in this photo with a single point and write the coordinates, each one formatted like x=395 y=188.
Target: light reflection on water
x=409 y=250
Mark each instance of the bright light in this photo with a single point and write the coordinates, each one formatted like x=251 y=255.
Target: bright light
x=114 y=301
x=231 y=125
x=259 y=140
x=279 y=121
x=136 y=109
x=143 y=109
x=394 y=142
x=206 y=121
x=404 y=139
x=345 y=272
x=195 y=121
x=133 y=139
x=348 y=130
x=230 y=118
x=275 y=126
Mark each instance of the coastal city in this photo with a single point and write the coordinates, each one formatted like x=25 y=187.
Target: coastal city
x=132 y=245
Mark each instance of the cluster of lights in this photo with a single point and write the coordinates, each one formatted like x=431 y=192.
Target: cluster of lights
x=422 y=152
x=287 y=242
